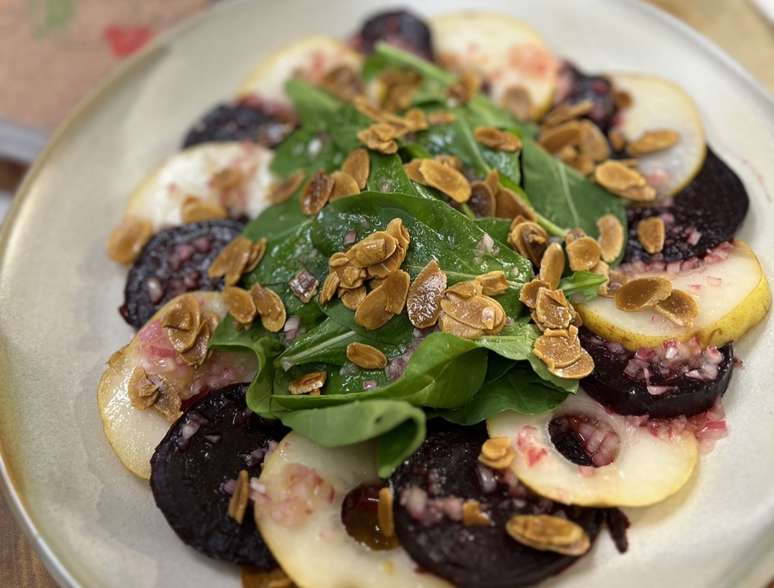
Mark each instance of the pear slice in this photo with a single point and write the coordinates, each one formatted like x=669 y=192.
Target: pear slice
x=310 y=58
x=646 y=470
x=134 y=434
x=732 y=294
x=160 y=196
x=504 y=50
x=660 y=104
x=317 y=550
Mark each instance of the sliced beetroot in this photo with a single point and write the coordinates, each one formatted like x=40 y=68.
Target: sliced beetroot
x=446 y=467
x=396 y=27
x=191 y=469
x=248 y=119
x=173 y=262
x=575 y=86
x=675 y=380
x=706 y=213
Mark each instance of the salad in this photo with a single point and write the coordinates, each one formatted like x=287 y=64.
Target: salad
x=427 y=307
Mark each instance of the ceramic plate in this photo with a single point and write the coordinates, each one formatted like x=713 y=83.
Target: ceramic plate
x=96 y=524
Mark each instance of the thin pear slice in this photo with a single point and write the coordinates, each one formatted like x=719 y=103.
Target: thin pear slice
x=134 y=434
x=660 y=104
x=317 y=550
x=192 y=172
x=732 y=294
x=504 y=50
x=647 y=468
x=310 y=58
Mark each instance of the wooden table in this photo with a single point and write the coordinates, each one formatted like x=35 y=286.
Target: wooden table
x=726 y=22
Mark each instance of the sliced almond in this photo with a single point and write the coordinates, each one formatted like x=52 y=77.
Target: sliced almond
x=567 y=111
x=343 y=81
x=497 y=453
x=448 y=324
x=232 y=261
x=343 y=185
x=375 y=248
x=168 y=403
x=466 y=289
x=450 y=160
x=311 y=383
x=257 y=251
x=441 y=117
x=530 y=240
x=554 y=139
x=127 y=239
x=549 y=533
x=583 y=254
x=602 y=269
x=358 y=165
x=423 y=302
x=237 y=505
x=611 y=237
x=652 y=141
x=651 y=233
x=558 y=348
x=269 y=305
x=379 y=137
x=496 y=139
x=372 y=312
x=473 y=516
x=446 y=179
x=577 y=370
x=384 y=512
x=366 y=356
x=493 y=283
x=529 y=292
x=479 y=312
x=466 y=86
x=518 y=102
x=353 y=298
x=623 y=181
x=194 y=210
x=240 y=304
x=397 y=229
x=282 y=190
x=482 y=201
x=509 y=205
x=228 y=179
x=396 y=286
x=593 y=142
x=412 y=171
x=329 y=288
x=679 y=307
x=641 y=293
x=317 y=193
x=143 y=393
x=198 y=352
x=552 y=310
x=552 y=265
x=617 y=139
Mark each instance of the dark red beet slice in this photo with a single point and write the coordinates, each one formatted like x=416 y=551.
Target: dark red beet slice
x=618 y=380
x=173 y=262
x=706 y=213
x=396 y=27
x=248 y=119
x=189 y=473
x=576 y=86
x=446 y=464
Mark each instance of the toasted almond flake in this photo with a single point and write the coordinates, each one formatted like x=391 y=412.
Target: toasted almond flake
x=482 y=200
x=623 y=181
x=375 y=248
x=622 y=99
x=448 y=324
x=379 y=137
x=583 y=254
x=358 y=165
x=255 y=578
x=343 y=81
x=143 y=393
x=549 y=533
x=611 y=237
x=168 y=403
x=365 y=356
x=466 y=86
x=593 y=143
x=317 y=193
x=240 y=304
x=529 y=292
x=367 y=109
x=181 y=321
x=679 y=307
x=446 y=179
x=509 y=205
x=372 y=312
x=389 y=265
x=384 y=513
x=492 y=180
x=568 y=111
x=558 y=348
x=350 y=277
x=651 y=233
x=554 y=139
x=466 y=289
x=577 y=370
x=441 y=117
x=282 y=190
x=329 y=288
x=412 y=171
x=473 y=516
x=518 y=102
x=232 y=261
x=497 y=453
x=493 y=283
x=311 y=383
x=480 y=312
x=338 y=259
x=127 y=239
x=194 y=209
x=237 y=505
x=270 y=307
x=343 y=185
x=552 y=309
x=396 y=285
x=573 y=235
x=602 y=269
x=652 y=141
x=416 y=119
x=641 y=293
x=198 y=352
x=617 y=139
x=397 y=229
x=530 y=240
x=423 y=301
x=351 y=299
x=228 y=179
x=552 y=265
x=450 y=160
x=496 y=139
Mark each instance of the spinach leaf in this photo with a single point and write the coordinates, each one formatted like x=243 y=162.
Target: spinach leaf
x=520 y=389
x=581 y=286
x=387 y=175
x=307 y=149
x=399 y=426
x=564 y=195
x=276 y=221
x=313 y=105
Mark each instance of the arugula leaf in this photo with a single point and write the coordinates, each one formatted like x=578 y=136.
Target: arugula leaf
x=399 y=426
x=564 y=195
x=520 y=389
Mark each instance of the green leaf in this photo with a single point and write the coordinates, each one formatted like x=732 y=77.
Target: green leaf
x=307 y=149
x=313 y=105
x=565 y=196
x=520 y=389
x=399 y=426
x=582 y=286
x=387 y=175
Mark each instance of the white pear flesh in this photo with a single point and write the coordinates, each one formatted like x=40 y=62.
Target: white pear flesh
x=504 y=50
x=660 y=104
x=134 y=434
x=159 y=197
x=732 y=295
x=309 y=58
x=647 y=468
x=318 y=551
